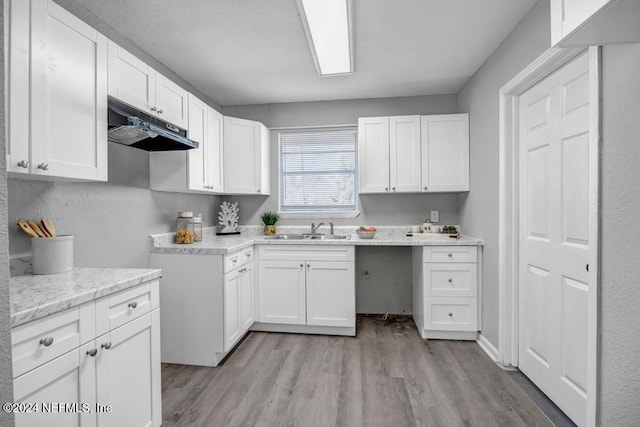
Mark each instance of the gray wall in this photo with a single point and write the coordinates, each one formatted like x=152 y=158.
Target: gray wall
x=620 y=237
x=382 y=209
x=111 y=222
x=479 y=208
x=6 y=385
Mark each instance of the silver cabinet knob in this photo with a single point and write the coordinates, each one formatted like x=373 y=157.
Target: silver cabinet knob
x=92 y=352
x=386 y=188
x=450 y=314
x=308 y=265
x=47 y=341
x=133 y=305
x=154 y=108
x=160 y=111
x=301 y=265
x=23 y=163
x=425 y=187
x=106 y=345
x=43 y=166
x=450 y=255
x=393 y=188
x=259 y=190
x=450 y=280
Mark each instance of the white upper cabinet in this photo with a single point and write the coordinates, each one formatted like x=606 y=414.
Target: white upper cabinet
x=246 y=157
x=594 y=22
x=137 y=84
x=57 y=94
x=389 y=154
x=198 y=169
x=445 y=153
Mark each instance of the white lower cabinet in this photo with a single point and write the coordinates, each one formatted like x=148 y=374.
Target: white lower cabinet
x=445 y=291
x=109 y=380
x=307 y=285
x=208 y=305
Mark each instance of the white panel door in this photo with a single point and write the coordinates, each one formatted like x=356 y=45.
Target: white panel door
x=331 y=294
x=131 y=80
x=404 y=152
x=554 y=236
x=231 y=295
x=282 y=296
x=171 y=102
x=68 y=379
x=246 y=297
x=68 y=95
x=242 y=156
x=373 y=154
x=197 y=132
x=445 y=152
x=128 y=374
x=213 y=172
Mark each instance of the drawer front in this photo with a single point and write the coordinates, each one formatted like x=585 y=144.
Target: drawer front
x=451 y=314
x=450 y=254
x=237 y=259
x=127 y=305
x=309 y=252
x=451 y=279
x=40 y=341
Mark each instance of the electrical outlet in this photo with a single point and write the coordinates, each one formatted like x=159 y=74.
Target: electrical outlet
x=435 y=216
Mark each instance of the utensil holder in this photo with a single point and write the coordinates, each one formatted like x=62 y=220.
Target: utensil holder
x=51 y=255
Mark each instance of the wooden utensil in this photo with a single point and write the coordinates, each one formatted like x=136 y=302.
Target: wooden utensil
x=35 y=227
x=47 y=226
x=24 y=226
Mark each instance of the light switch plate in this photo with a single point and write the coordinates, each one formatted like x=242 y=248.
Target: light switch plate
x=435 y=216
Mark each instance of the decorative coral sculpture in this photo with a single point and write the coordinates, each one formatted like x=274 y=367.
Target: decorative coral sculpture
x=228 y=217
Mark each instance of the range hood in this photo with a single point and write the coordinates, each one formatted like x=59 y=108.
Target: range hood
x=135 y=128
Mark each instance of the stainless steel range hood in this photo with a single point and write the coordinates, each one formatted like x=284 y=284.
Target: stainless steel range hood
x=135 y=128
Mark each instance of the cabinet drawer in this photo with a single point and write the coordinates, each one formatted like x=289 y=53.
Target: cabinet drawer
x=40 y=341
x=123 y=307
x=309 y=252
x=451 y=314
x=450 y=254
x=451 y=279
x=236 y=259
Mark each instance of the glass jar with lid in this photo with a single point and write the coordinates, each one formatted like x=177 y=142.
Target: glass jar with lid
x=184 y=228
x=197 y=228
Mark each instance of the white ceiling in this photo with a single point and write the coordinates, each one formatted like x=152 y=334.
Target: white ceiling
x=254 y=51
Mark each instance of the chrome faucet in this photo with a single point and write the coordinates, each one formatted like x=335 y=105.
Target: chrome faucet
x=331 y=228
x=314 y=228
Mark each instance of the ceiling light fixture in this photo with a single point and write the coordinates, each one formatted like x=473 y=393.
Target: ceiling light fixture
x=328 y=25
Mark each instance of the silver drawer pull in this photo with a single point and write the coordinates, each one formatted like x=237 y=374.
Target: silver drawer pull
x=106 y=345
x=92 y=352
x=43 y=166
x=47 y=341
x=133 y=305
x=234 y=261
x=23 y=163
x=450 y=280
x=450 y=255
x=450 y=314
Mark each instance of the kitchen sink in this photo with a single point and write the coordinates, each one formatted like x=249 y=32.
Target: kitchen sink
x=309 y=236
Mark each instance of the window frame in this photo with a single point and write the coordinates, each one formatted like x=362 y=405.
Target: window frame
x=317 y=214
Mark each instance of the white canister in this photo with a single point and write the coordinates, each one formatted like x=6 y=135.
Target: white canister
x=50 y=255
x=435 y=228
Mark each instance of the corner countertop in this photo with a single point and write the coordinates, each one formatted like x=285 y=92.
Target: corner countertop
x=222 y=245
x=37 y=296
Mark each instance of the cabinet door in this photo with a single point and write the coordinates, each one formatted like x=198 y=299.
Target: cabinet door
x=445 y=152
x=242 y=156
x=246 y=297
x=404 y=154
x=197 y=132
x=213 y=168
x=131 y=80
x=68 y=380
x=171 y=102
x=231 y=294
x=567 y=15
x=282 y=292
x=128 y=373
x=18 y=130
x=331 y=294
x=373 y=154
x=68 y=95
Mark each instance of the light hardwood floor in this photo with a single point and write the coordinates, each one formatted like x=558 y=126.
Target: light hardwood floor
x=385 y=376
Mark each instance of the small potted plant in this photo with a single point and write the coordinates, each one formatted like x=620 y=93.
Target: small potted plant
x=270 y=219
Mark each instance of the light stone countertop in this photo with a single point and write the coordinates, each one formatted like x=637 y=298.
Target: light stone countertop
x=37 y=296
x=251 y=235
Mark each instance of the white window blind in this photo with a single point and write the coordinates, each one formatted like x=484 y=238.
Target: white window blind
x=318 y=170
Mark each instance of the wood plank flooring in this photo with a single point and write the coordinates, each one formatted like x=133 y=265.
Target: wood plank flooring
x=385 y=376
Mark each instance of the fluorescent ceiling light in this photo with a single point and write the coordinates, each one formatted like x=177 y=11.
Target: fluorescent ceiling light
x=329 y=29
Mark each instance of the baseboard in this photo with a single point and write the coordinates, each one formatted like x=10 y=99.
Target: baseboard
x=488 y=348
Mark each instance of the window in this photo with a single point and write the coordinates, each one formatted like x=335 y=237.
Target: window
x=318 y=171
